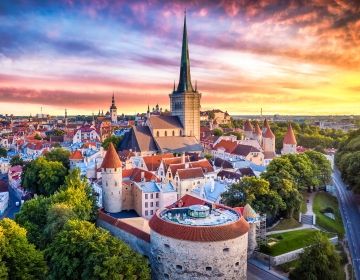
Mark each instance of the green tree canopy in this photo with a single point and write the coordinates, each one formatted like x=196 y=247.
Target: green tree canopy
x=16 y=160
x=217 y=132
x=83 y=251
x=3 y=152
x=18 y=258
x=59 y=154
x=256 y=192
x=43 y=177
x=319 y=261
x=113 y=139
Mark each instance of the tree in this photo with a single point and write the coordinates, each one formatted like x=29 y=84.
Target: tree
x=113 y=139
x=217 y=132
x=74 y=197
x=43 y=177
x=16 y=160
x=19 y=258
x=319 y=261
x=37 y=137
x=83 y=251
x=59 y=154
x=321 y=165
x=3 y=152
x=256 y=192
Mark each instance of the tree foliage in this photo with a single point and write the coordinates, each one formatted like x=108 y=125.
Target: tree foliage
x=43 y=177
x=82 y=251
x=217 y=132
x=256 y=192
x=112 y=139
x=319 y=261
x=59 y=154
x=347 y=160
x=16 y=160
x=18 y=258
x=74 y=199
x=3 y=152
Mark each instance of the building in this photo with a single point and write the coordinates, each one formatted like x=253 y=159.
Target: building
x=193 y=239
x=289 y=142
x=4 y=197
x=175 y=133
x=113 y=110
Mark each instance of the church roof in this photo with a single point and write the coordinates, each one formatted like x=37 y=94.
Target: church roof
x=178 y=144
x=289 y=137
x=185 y=77
x=111 y=159
x=165 y=122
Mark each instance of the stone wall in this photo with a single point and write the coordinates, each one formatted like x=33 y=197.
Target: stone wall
x=183 y=260
x=139 y=241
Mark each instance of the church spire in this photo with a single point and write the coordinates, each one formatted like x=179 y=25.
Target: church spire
x=185 y=78
x=113 y=106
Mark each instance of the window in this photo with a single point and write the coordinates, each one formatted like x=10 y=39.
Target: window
x=237 y=264
x=146 y=205
x=146 y=196
x=167 y=245
x=173 y=133
x=115 y=184
x=146 y=213
x=226 y=250
x=157 y=203
x=179 y=267
x=151 y=204
x=165 y=133
x=208 y=268
x=151 y=212
x=157 y=134
x=166 y=276
x=151 y=196
x=157 y=195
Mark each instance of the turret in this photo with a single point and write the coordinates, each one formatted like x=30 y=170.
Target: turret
x=268 y=139
x=111 y=172
x=289 y=142
x=257 y=133
x=248 y=130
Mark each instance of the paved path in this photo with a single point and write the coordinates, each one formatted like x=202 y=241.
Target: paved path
x=292 y=229
x=349 y=207
x=309 y=204
x=256 y=270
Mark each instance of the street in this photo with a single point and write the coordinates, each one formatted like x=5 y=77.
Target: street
x=255 y=273
x=349 y=208
x=12 y=208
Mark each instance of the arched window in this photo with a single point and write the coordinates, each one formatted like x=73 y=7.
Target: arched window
x=180 y=132
x=165 y=133
x=157 y=134
x=173 y=133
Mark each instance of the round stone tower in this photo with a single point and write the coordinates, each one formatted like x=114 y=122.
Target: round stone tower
x=198 y=242
x=253 y=219
x=111 y=172
x=268 y=139
x=289 y=142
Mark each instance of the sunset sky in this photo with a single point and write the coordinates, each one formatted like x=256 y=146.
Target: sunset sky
x=283 y=56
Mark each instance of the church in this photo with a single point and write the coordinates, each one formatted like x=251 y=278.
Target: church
x=177 y=132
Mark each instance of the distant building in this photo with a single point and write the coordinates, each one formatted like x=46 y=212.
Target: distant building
x=113 y=110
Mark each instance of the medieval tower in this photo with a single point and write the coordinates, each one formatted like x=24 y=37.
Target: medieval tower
x=113 y=110
x=185 y=100
x=111 y=172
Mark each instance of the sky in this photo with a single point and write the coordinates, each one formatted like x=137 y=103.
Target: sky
x=293 y=57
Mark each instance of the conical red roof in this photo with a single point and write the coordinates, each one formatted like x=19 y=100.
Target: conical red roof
x=111 y=159
x=289 y=137
x=248 y=126
x=268 y=132
x=257 y=129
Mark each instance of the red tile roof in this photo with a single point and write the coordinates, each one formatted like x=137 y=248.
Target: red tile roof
x=76 y=155
x=257 y=129
x=227 y=145
x=111 y=159
x=289 y=137
x=268 y=133
x=153 y=162
x=199 y=233
x=204 y=164
x=248 y=126
x=190 y=173
x=134 y=174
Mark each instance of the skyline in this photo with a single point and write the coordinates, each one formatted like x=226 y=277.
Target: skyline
x=285 y=58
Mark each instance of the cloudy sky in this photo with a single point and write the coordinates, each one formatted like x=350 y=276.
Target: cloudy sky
x=286 y=56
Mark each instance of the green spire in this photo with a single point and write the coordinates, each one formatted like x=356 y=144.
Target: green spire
x=185 y=77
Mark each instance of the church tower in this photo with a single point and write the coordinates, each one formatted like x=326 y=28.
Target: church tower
x=113 y=110
x=111 y=176
x=185 y=100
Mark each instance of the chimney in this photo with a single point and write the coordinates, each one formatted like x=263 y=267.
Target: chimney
x=142 y=176
x=183 y=158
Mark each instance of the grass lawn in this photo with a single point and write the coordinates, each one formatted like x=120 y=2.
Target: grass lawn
x=289 y=241
x=322 y=201
x=286 y=224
